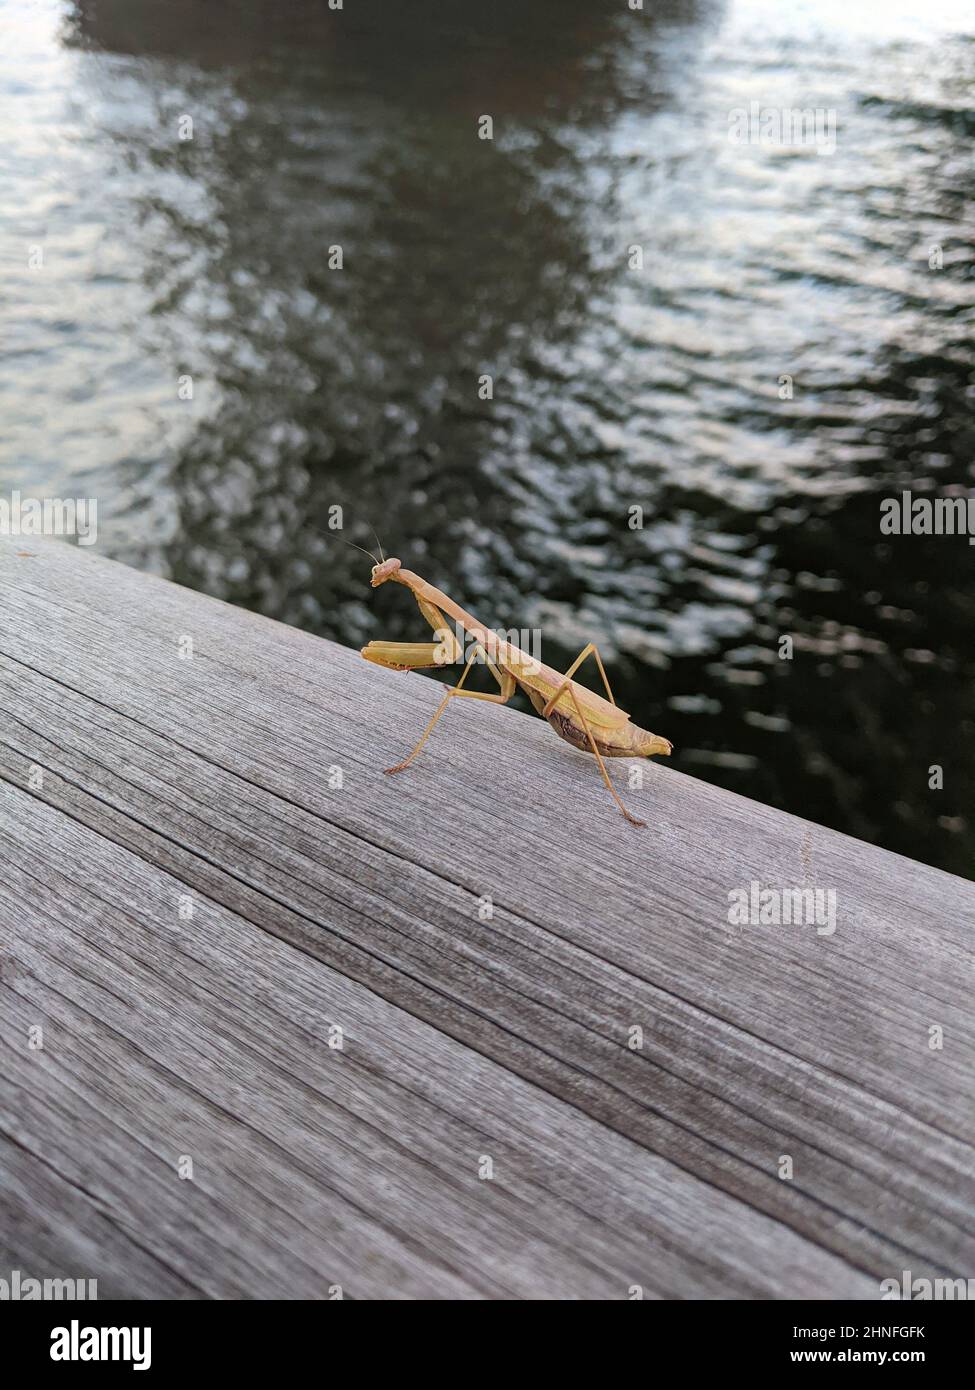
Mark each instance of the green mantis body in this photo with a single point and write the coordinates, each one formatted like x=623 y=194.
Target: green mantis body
x=577 y=714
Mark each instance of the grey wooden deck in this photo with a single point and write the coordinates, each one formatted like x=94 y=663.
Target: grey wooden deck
x=135 y=785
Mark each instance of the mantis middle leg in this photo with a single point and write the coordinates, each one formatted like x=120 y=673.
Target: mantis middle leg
x=506 y=685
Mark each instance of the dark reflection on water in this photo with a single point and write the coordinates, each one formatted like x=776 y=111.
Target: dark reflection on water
x=613 y=387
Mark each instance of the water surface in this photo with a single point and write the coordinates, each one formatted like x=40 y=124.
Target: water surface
x=614 y=388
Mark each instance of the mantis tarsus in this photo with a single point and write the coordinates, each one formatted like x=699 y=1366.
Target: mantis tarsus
x=577 y=714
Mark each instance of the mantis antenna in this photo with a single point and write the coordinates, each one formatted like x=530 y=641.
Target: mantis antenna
x=378 y=541
x=330 y=535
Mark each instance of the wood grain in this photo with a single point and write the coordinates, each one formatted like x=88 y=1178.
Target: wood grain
x=136 y=785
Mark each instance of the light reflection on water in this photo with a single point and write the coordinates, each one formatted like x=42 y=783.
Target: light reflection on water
x=614 y=388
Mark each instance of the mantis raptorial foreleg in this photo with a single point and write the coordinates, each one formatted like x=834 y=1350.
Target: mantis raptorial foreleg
x=506 y=685
x=412 y=656
x=405 y=656
x=591 y=650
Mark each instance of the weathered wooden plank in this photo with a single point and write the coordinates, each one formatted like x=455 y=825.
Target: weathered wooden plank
x=167 y=777
x=53 y=1228
x=395 y=1122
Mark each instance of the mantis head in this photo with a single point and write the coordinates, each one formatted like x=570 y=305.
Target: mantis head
x=380 y=573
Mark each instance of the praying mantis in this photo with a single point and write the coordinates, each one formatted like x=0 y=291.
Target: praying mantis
x=577 y=714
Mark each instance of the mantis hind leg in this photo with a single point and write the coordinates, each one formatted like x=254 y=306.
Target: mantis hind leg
x=506 y=686
x=599 y=759
x=590 y=650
